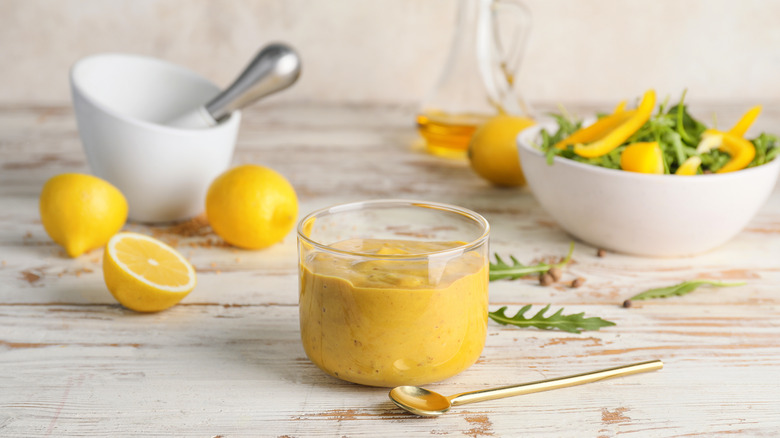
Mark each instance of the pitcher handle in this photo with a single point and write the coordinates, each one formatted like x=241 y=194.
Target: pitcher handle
x=509 y=54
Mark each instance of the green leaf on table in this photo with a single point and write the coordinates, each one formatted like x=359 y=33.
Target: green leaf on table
x=574 y=323
x=680 y=289
x=501 y=270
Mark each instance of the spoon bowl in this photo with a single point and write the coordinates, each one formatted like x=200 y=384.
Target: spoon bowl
x=420 y=401
x=427 y=403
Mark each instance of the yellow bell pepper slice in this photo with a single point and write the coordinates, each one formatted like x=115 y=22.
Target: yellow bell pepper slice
x=621 y=106
x=710 y=139
x=621 y=133
x=689 y=166
x=598 y=129
x=747 y=119
x=742 y=151
x=732 y=142
x=645 y=157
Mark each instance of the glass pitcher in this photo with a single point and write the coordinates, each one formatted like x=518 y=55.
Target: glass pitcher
x=478 y=78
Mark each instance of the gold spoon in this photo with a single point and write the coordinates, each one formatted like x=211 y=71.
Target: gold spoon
x=427 y=403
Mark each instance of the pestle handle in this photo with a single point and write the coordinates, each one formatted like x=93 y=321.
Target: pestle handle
x=274 y=68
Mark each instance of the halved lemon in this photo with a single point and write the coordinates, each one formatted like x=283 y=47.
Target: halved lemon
x=144 y=274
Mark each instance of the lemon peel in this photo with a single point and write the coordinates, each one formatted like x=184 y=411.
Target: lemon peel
x=81 y=212
x=493 y=152
x=251 y=206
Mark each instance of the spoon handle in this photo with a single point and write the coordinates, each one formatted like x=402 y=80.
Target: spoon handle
x=560 y=382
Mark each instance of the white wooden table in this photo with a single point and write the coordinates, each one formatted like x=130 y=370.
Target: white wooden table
x=227 y=361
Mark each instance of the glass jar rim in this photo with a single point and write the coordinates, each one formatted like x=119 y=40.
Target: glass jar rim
x=353 y=206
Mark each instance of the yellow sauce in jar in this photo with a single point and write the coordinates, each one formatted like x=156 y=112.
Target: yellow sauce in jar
x=389 y=322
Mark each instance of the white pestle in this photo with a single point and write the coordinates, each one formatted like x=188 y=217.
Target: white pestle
x=275 y=68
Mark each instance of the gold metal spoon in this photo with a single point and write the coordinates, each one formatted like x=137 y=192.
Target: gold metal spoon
x=427 y=403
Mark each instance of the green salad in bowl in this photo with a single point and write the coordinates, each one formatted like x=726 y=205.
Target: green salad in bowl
x=668 y=140
x=617 y=182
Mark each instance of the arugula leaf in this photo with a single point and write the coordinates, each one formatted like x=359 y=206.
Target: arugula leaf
x=567 y=125
x=678 y=148
x=501 y=270
x=767 y=149
x=714 y=160
x=689 y=128
x=681 y=289
x=574 y=323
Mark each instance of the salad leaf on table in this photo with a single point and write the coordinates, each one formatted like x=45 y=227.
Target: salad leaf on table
x=501 y=270
x=683 y=288
x=574 y=323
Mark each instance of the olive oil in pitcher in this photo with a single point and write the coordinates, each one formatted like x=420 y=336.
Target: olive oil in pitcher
x=477 y=81
x=448 y=134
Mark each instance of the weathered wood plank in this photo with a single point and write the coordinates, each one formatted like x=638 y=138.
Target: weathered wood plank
x=106 y=367
x=228 y=361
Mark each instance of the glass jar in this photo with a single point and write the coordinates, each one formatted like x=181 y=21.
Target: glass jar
x=393 y=292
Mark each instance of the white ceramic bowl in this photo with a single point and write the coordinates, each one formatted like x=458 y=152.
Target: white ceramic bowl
x=120 y=101
x=640 y=214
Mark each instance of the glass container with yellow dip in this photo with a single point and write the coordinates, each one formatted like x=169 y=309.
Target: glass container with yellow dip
x=393 y=292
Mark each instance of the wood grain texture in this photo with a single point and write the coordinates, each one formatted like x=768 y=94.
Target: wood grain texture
x=227 y=361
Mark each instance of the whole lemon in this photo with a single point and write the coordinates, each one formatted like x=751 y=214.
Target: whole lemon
x=493 y=151
x=81 y=212
x=251 y=206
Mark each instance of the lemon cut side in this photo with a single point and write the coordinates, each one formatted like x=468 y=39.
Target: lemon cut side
x=144 y=274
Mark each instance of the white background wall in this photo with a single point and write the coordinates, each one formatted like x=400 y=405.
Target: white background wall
x=391 y=51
